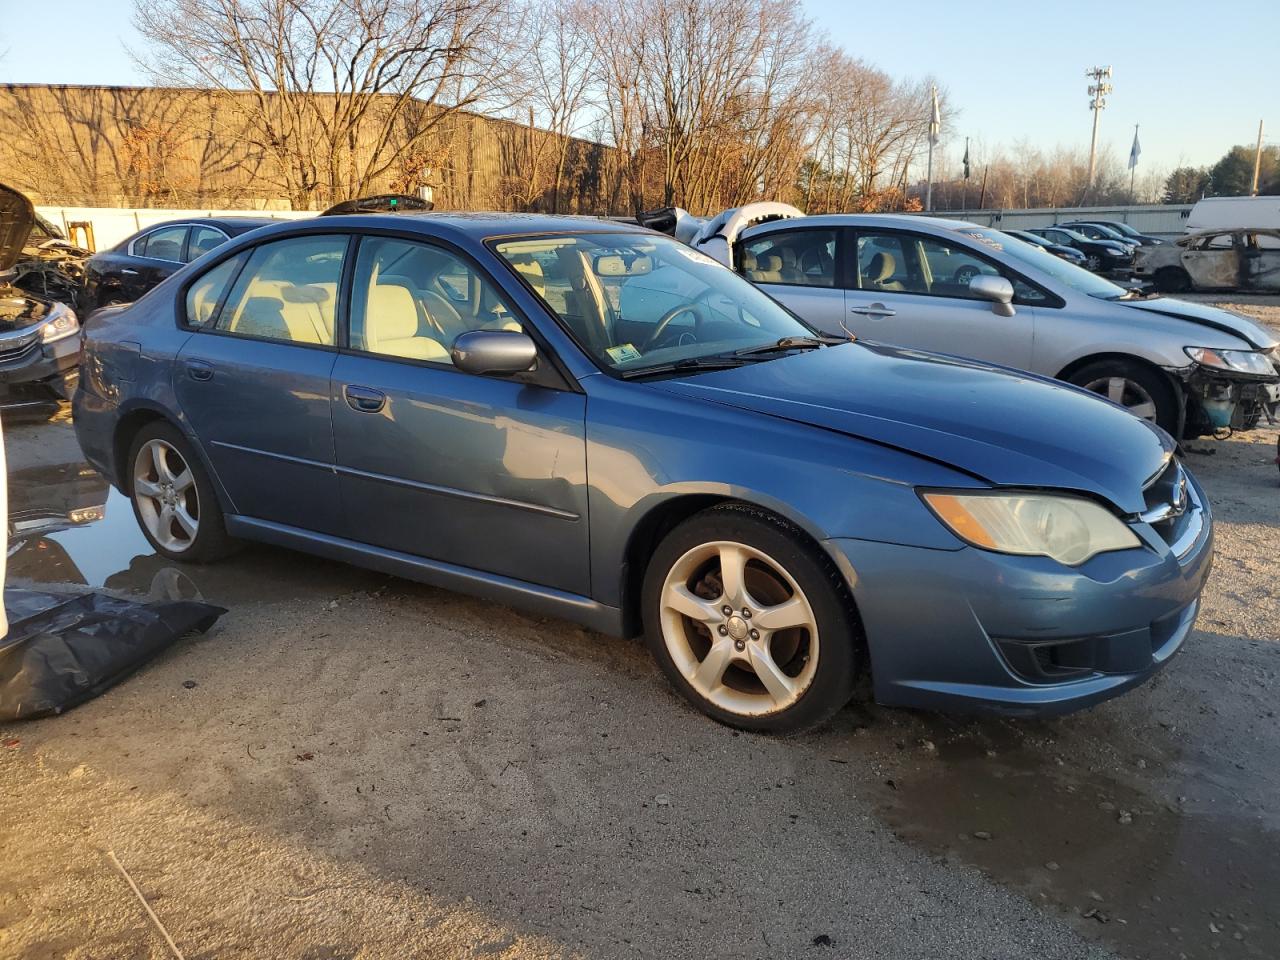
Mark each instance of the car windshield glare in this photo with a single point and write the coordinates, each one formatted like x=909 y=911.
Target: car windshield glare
x=635 y=301
x=1024 y=253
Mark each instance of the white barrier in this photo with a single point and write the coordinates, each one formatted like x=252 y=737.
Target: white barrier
x=113 y=224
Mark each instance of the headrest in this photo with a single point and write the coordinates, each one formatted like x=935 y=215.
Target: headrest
x=531 y=270
x=771 y=263
x=788 y=257
x=749 y=261
x=304 y=293
x=881 y=267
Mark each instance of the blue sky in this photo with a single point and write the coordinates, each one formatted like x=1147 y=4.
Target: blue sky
x=1196 y=75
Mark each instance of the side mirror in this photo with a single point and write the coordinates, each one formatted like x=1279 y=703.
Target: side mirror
x=996 y=289
x=494 y=352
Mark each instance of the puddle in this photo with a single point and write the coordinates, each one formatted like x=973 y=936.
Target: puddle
x=1158 y=877
x=67 y=525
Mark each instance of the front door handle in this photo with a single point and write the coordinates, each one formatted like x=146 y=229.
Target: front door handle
x=875 y=310
x=199 y=370
x=364 y=399
x=129 y=273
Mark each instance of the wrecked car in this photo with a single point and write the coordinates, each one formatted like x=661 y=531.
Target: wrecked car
x=599 y=423
x=50 y=266
x=958 y=288
x=39 y=342
x=1214 y=260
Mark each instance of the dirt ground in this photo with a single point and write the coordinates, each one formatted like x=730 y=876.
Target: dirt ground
x=354 y=766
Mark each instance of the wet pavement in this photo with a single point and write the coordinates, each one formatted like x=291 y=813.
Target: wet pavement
x=1150 y=824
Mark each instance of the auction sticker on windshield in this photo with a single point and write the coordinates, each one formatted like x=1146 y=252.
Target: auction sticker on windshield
x=622 y=353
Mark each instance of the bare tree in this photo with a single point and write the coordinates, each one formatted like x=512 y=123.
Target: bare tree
x=325 y=87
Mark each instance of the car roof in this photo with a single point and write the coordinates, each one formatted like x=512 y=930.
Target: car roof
x=231 y=225
x=472 y=226
x=904 y=221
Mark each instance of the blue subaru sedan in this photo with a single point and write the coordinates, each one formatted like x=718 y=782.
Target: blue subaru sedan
x=597 y=422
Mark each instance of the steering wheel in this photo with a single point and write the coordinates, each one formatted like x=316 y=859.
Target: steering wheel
x=964 y=274
x=693 y=309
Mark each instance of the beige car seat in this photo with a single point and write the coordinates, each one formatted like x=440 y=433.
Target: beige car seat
x=878 y=272
x=391 y=325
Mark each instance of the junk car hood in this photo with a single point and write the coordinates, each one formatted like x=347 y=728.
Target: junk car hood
x=1001 y=425
x=17 y=217
x=1223 y=321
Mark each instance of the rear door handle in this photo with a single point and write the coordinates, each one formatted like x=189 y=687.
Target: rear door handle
x=364 y=399
x=199 y=370
x=875 y=310
x=129 y=273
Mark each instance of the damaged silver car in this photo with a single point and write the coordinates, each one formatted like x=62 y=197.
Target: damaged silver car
x=1214 y=260
x=39 y=335
x=952 y=287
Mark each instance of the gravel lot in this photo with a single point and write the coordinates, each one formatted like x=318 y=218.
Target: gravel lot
x=370 y=768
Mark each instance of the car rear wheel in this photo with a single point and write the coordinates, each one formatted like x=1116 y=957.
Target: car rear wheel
x=1172 y=280
x=1142 y=391
x=173 y=498
x=1093 y=262
x=750 y=622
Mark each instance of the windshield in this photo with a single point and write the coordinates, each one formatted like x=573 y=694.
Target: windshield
x=1077 y=278
x=635 y=301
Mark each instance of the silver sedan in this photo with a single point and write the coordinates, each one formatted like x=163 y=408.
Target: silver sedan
x=954 y=287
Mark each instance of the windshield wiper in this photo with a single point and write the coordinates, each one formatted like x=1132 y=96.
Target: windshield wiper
x=790 y=343
x=713 y=362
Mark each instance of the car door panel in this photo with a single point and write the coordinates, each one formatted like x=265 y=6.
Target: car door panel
x=883 y=303
x=253 y=380
x=477 y=471
x=487 y=473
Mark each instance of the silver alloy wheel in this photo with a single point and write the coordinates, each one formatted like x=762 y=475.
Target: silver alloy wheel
x=739 y=628
x=1133 y=396
x=164 y=490
x=1093 y=262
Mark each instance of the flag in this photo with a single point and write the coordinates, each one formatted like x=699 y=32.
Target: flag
x=935 y=120
x=1135 y=151
x=966 y=158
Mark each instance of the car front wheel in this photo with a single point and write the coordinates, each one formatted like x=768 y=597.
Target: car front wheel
x=173 y=497
x=750 y=621
x=1144 y=392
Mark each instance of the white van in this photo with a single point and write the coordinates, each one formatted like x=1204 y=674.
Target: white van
x=1233 y=213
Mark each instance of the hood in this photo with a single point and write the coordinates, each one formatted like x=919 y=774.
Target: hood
x=1001 y=425
x=1223 y=321
x=17 y=217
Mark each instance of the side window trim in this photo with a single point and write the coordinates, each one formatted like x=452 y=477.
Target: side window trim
x=182 y=251
x=191 y=232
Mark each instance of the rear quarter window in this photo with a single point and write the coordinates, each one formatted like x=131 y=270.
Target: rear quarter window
x=206 y=294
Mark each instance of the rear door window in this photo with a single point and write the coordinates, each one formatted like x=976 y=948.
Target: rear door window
x=288 y=291
x=797 y=257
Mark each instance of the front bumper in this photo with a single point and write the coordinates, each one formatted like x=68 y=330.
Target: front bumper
x=34 y=371
x=973 y=631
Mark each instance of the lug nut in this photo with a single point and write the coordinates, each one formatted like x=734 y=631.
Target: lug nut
x=738 y=644
x=755 y=634
x=723 y=630
x=746 y=613
x=727 y=610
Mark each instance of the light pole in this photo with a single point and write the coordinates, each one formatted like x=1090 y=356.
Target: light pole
x=1098 y=91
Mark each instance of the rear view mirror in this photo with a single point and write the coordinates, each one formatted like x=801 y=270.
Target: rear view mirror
x=996 y=289
x=494 y=352
x=612 y=265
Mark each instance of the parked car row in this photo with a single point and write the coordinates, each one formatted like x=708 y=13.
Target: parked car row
x=599 y=422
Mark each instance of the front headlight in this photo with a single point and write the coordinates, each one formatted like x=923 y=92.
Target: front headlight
x=1238 y=361
x=1068 y=529
x=61 y=323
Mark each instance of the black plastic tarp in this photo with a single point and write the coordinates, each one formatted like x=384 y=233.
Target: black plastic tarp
x=62 y=649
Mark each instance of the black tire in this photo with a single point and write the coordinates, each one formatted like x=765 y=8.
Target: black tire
x=840 y=646
x=1155 y=383
x=1172 y=280
x=211 y=541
